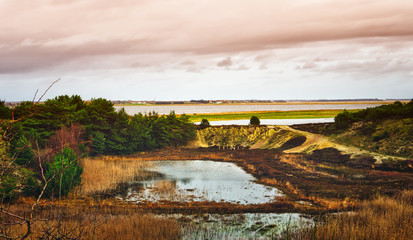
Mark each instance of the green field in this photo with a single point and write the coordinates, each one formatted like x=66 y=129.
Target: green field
x=267 y=115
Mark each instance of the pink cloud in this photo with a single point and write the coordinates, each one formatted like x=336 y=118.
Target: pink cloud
x=45 y=33
x=225 y=62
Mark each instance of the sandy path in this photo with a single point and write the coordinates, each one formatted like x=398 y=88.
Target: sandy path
x=317 y=141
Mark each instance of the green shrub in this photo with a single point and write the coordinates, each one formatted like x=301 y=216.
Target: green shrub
x=343 y=120
x=380 y=135
x=8 y=186
x=204 y=124
x=64 y=173
x=255 y=121
x=396 y=110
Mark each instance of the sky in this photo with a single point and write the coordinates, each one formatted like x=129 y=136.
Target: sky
x=207 y=49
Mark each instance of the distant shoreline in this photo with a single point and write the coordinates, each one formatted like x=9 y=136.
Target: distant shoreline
x=298 y=102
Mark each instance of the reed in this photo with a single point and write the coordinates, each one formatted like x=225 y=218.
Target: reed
x=104 y=174
x=381 y=218
x=94 y=223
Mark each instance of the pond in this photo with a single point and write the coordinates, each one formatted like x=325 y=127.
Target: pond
x=241 y=226
x=199 y=180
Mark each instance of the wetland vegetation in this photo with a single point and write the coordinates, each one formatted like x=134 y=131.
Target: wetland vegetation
x=68 y=166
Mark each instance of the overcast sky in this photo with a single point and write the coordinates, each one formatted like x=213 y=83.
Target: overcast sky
x=207 y=49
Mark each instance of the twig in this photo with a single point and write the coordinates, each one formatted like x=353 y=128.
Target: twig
x=35 y=94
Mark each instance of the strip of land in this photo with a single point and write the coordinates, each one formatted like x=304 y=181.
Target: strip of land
x=246 y=102
x=304 y=114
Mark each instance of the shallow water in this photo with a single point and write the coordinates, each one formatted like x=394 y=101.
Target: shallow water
x=219 y=108
x=199 y=180
x=240 y=226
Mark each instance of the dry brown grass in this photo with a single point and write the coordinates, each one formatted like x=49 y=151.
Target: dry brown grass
x=104 y=174
x=93 y=223
x=165 y=187
x=382 y=218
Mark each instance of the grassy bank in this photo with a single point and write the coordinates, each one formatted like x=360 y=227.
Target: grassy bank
x=267 y=115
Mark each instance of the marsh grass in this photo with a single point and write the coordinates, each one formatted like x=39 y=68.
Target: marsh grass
x=165 y=187
x=104 y=174
x=94 y=223
x=381 y=218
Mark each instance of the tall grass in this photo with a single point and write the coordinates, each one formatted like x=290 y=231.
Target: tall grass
x=104 y=174
x=94 y=223
x=382 y=218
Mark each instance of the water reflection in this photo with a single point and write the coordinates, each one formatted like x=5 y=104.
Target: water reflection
x=241 y=226
x=200 y=181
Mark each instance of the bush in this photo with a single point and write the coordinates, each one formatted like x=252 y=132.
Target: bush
x=396 y=110
x=64 y=173
x=343 y=120
x=8 y=186
x=204 y=124
x=255 y=121
x=380 y=135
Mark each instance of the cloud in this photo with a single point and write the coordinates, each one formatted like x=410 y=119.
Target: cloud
x=152 y=44
x=225 y=62
x=188 y=62
x=46 y=33
x=308 y=65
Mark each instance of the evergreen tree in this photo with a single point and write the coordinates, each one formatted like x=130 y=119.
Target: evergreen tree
x=255 y=121
x=64 y=173
x=204 y=124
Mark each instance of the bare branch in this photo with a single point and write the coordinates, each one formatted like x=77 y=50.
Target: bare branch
x=13 y=215
x=50 y=86
x=32 y=108
x=35 y=94
x=6 y=134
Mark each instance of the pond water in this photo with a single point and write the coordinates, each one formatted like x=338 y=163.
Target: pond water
x=219 y=108
x=199 y=180
x=272 y=121
x=241 y=226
